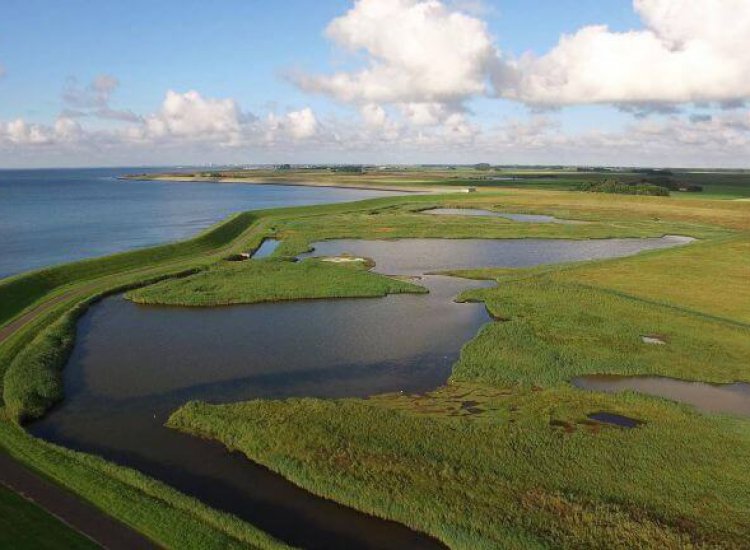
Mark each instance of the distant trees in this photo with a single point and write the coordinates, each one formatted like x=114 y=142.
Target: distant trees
x=482 y=166
x=354 y=169
x=621 y=188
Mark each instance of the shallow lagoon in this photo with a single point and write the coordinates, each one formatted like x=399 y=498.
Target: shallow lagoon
x=133 y=365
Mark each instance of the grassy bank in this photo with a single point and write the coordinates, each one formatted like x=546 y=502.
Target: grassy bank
x=24 y=526
x=272 y=281
x=164 y=515
x=19 y=292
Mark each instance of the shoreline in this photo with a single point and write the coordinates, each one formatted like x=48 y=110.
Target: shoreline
x=259 y=181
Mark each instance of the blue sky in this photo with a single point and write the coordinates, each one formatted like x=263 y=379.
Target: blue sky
x=245 y=52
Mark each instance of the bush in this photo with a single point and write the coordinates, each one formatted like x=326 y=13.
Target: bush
x=612 y=186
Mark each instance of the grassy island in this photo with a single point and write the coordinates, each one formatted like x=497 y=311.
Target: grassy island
x=272 y=281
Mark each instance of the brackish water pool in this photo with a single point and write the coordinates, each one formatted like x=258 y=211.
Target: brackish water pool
x=133 y=365
x=523 y=218
x=711 y=398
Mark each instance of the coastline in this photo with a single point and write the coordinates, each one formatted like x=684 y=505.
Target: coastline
x=262 y=181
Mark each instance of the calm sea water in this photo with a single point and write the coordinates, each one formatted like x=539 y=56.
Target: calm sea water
x=49 y=217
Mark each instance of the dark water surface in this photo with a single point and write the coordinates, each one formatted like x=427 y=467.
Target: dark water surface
x=615 y=419
x=49 y=217
x=132 y=365
x=712 y=398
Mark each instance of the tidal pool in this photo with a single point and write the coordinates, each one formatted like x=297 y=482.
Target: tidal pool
x=712 y=398
x=133 y=365
x=266 y=248
x=415 y=256
x=615 y=419
x=523 y=218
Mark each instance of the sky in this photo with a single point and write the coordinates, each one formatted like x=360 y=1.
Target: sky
x=586 y=82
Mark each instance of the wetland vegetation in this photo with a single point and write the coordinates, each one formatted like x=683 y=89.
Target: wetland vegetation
x=272 y=281
x=507 y=451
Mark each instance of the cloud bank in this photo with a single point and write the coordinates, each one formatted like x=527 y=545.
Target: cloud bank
x=417 y=65
x=689 y=51
x=429 y=52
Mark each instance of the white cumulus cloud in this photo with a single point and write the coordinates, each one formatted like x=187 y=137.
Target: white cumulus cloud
x=417 y=51
x=192 y=116
x=689 y=51
x=302 y=124
x=19 y=132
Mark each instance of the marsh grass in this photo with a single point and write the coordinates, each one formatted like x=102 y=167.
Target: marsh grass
x=505 y=475
x=271 y=280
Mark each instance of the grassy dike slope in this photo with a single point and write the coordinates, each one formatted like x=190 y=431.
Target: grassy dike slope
x=38 y=311
x=24 y=526
x=505 y=455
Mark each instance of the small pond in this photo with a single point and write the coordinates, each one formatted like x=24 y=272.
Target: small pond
x=266 y=248
x=415 y=256
x=711 y=398
x=523 y=218
x=615 y=419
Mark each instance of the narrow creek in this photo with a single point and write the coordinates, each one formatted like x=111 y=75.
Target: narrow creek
x=710 y=398
x=523 y=218
x=133 y=365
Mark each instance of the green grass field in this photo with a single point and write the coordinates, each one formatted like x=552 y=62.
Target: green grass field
x=271 y=281
x=24 y=526
x=521 y=467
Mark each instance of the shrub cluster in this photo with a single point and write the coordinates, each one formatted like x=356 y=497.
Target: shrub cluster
x=613 y=186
